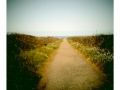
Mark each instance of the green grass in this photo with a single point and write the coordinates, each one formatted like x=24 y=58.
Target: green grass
x=25 y=55
x=35 y=58
x=98 y=49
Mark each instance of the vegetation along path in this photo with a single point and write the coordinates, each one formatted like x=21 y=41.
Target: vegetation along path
x=70 y=71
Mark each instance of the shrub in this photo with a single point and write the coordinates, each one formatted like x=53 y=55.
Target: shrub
x=25 y=54
x=99 y=49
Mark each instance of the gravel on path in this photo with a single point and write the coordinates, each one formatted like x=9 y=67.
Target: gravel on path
x=70 y=71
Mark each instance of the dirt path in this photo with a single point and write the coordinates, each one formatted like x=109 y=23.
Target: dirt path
x=70 y=71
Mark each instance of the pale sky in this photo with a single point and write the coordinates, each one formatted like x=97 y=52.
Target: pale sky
x=60 y=17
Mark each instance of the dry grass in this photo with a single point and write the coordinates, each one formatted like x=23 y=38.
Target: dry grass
x=25 y=55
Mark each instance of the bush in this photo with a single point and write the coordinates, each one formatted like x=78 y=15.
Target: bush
x=99 y=49
x=100 y=41
x=25 y=54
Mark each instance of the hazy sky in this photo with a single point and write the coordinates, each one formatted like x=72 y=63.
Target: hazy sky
x=60 y=17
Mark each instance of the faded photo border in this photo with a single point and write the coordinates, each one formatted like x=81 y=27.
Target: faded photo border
x=3 y=45
x=3 y=29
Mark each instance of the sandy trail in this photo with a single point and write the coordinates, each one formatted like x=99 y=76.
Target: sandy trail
x=70 y=71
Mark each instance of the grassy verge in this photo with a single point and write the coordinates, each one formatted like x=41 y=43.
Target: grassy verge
x=25 y=55
x=98 y=50
x=34 y=59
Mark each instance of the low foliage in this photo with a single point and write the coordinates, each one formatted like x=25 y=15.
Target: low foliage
x=99 y=49
x=25 y=54
x=100 y=41
x=35 y=58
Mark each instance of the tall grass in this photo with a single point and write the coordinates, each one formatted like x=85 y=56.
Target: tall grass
x=25 y=55
x=98 y=49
